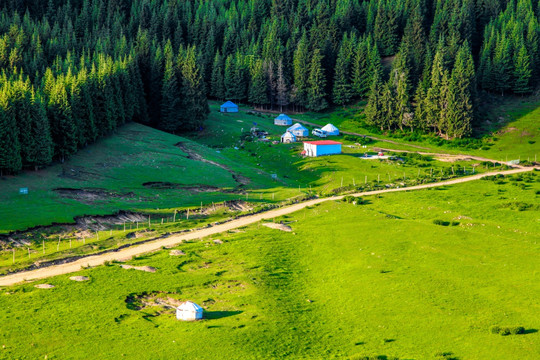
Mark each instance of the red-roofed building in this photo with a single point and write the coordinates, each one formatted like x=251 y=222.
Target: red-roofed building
x=321 y=147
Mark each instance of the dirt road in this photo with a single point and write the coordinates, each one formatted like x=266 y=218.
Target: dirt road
x=448 y=157
x=128 y=253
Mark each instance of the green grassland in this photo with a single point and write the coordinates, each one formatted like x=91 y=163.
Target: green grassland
x=382 y=278
x=115 y=173
x=509 y=130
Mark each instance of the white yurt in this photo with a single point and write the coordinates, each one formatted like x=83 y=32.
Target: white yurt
x=189 y=311
x=298 y=130
x=288 y=138
x=330 y=129
x=283 y=120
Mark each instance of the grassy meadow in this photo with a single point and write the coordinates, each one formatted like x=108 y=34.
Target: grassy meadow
x=509 y=130
x=143 y=169
x=410 y=275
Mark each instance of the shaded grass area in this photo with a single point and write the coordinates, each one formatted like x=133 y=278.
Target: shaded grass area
x=348 y=281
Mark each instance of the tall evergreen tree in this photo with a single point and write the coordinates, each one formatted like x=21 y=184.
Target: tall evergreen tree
x=301 y=72
x=258 y=87
x=10 y=156
x=195 y=105
x=217 y=83
x=342 y=92
x=317 y=83
x=171 y=109
x=63 y=129
x=522 y=71
x=459 y=115
x=375 y=114
x=282 y=93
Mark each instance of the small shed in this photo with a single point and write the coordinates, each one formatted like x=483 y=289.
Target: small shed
x=229 y=107
x=330 y=129
x=283 y=120
x=288 y=138
x=298 y=130
x=321 y=147
x=189 y=311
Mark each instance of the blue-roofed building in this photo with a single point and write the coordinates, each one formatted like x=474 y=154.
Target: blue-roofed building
x=229 y=107
x=283 y=120
x=298 y=130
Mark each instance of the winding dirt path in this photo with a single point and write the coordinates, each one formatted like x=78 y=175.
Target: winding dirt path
x=128 y=253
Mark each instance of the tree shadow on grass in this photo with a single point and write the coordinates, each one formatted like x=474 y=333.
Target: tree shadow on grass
x=213 y=315
x=530 y=331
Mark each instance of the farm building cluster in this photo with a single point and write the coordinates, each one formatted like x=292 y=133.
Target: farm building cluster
x=295 y=133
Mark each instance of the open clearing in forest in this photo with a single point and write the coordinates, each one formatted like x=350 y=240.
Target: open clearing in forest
x=407 y=275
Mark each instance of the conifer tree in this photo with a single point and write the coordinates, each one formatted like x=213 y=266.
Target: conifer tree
x=522 y=71
x=502 y=65
x=317 y=83
x=301 y=72
x=10 y=157
x=195 y=105
x=282 y=94
x=41 y=152
x=171 y=109
x=375 y=114
x=62 y=125
x=342 y=92
x=459 y=116
x=361 y=79
x=434 y=94
x=258 y=87
x=217 y=85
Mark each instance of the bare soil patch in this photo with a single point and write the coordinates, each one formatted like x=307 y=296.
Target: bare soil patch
x=84 y=227
x=78 y=173
x=79 y=278
x=91 y=196
x=139 y=268
x=453 y=158
x=176 y=253
x=199 y=188
x=276 y=226
x=151 y=299
x=44 y=286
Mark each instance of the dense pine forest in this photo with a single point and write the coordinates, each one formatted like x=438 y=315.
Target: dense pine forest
x=75 y=70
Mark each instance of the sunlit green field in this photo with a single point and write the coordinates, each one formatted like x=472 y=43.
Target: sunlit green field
x=380 y=278
x=509 y=130
x=143 y=169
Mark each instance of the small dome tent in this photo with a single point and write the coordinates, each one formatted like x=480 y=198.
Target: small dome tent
x=283 y=120
x=229 y=107
x=298 y=130
x=330 y=129
x=288 y=138
x=189 y=311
